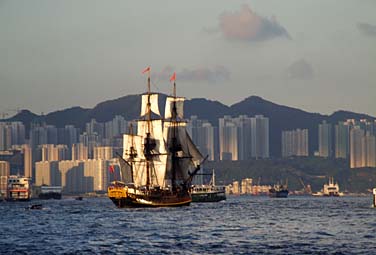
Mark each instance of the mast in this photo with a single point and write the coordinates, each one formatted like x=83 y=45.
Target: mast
x=148 y=147
x=174 y=147
x=132 y=152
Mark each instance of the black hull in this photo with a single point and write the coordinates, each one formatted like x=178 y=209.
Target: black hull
x=49 y=196
x=207 y=197
x=279 y=194
x=17 y=199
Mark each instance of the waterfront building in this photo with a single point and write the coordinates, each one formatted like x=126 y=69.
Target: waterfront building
x=47 y=173
x=325 y=139
x=76 y=176
x=246 y=186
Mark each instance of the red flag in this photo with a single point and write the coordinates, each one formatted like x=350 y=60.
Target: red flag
x=111 y=168
x=173 y=77
x=147 y=69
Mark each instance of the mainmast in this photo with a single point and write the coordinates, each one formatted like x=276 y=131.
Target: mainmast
x=148 y=143
x=175 y=147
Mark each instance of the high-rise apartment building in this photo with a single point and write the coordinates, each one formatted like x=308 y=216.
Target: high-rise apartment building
x=356 y=148
x=342 y=139
x=228 y=139
x=202 y=134
x=103 y=152
x=79 y=152
x=28 y=160
x=325 y=139
x=368 y=150
x=260 y=137
x=243 y=123
x=295 y=143
x=11 y=133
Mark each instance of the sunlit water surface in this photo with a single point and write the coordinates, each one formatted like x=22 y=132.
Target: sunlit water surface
x=239 y=225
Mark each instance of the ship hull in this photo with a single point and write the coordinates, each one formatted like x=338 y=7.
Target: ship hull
x=123 y=197
x=279 y=194
x=208 y=197
x=51 y=195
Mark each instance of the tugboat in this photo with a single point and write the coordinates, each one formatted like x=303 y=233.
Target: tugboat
x=19 y=188
x=209 y=192
x=329 y=190
x=158 y=162
x=279 y=190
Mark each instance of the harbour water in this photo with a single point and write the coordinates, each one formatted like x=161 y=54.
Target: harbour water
x=239 y=225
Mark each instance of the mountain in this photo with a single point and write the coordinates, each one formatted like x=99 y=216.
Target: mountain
x=280 y=117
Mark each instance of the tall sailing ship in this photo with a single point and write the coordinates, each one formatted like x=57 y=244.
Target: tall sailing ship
x=160 y=160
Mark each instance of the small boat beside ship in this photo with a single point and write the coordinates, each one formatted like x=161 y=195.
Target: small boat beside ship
x=330 y=189
x=279 y=191
x=50 y=192
x=208 y=192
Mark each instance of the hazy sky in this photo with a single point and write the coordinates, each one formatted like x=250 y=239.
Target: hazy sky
x=318 y=55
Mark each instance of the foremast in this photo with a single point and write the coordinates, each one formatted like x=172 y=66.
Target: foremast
x=146 y=150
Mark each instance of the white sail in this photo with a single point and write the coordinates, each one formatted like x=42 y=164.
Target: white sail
x=153 y=104
x=158 y=164
x=179 y=103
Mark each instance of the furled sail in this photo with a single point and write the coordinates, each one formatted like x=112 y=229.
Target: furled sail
x=153 y=104
x=169 y=109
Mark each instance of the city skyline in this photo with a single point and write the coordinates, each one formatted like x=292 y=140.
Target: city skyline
x=58 y=55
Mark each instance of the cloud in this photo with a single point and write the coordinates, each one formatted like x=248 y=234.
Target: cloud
x=300 y=70
x=367 y=29
x=210 y=75
x=246 y=25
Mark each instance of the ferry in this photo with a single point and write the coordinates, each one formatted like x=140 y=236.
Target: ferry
x=329 y=190
x=209 y=192
x=50 y=192
x=18 y=188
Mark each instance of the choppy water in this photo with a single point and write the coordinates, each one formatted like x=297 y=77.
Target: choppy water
x=240 y=225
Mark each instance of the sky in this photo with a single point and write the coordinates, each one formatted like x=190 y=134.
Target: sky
x=316 y=55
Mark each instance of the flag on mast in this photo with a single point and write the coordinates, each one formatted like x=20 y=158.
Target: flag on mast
x=173 y=77
x=111 y=168
x=147 y=69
